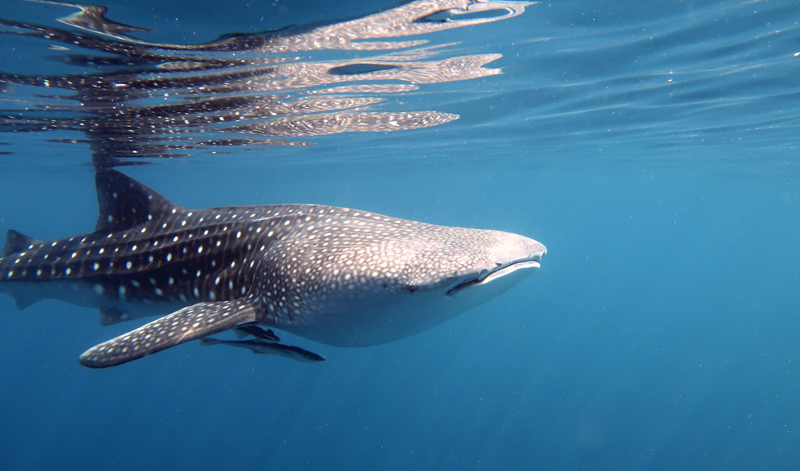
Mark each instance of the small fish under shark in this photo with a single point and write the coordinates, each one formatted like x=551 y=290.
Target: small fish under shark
x=267 y=348
x=337 y=276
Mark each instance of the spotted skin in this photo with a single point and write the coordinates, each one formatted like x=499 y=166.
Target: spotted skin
x=338 y=276
x=187 y=324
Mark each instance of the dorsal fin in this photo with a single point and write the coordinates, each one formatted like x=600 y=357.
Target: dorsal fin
x=18 y=242
x=124 y=202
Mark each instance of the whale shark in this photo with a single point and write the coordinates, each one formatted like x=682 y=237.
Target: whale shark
x=337 y=276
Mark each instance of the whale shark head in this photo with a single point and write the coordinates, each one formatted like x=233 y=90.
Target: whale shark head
x=357 y=279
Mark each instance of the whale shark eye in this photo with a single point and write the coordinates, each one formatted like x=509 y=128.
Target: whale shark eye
x=412 y=289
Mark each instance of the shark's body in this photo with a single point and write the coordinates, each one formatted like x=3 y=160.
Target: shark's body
x=334 y=275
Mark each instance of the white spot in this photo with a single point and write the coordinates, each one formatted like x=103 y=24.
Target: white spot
x=135 y=283
x=128 y=265
x=169 y=257
x=133 y=248
x=98 y=289
x=200 y=249
x=96 y=266
x=196 y=293
x=67 y=271
x=171 y=281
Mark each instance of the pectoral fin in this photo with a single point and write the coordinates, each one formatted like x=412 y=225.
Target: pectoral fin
x=181 y=326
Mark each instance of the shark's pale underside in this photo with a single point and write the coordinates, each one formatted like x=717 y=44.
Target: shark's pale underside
x=337 y=276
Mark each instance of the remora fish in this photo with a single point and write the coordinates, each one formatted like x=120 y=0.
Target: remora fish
x=257 y=332
x=337 y=276
x=267 y=348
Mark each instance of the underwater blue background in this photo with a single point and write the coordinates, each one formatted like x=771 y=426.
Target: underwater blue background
x=651 y=146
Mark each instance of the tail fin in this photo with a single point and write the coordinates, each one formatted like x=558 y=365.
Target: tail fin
x=18 y=242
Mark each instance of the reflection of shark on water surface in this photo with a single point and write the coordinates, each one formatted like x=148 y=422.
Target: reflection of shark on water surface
x=132 y=98
x=337 y=276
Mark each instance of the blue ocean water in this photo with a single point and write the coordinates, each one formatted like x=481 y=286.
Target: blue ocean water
x=651 y=146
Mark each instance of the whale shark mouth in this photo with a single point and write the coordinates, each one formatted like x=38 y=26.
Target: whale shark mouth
x=486 y=276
